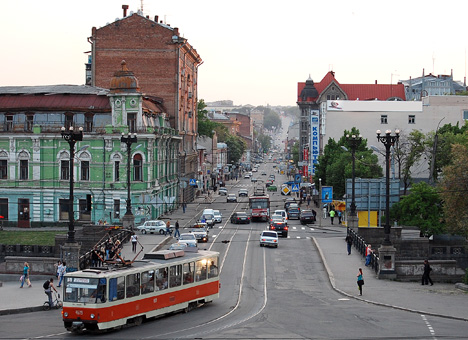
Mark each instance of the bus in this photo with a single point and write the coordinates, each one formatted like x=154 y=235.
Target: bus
x=259 y=206
x=113 y=296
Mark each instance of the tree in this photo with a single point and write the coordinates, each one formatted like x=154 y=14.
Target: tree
x=236 y=148
x=205 y=125
x=265 y=142
x=421 y=208
x=335 y=165
x=271 y=119
x=454 y=187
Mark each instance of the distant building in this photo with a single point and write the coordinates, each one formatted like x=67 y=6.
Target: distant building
x=35 y=159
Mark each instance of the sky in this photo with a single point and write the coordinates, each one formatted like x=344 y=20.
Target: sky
x=254 y=52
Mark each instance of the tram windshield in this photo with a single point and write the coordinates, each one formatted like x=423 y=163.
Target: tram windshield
x=83 y=289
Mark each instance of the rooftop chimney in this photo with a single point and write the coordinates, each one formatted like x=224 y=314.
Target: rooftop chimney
x=124 y=7
x=156 y=18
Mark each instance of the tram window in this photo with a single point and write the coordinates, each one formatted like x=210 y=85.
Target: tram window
x=189 y=269
x=200 y=270
x=147 y=282
x=161 y=278
x=120 y=288
x=81 y=289
x=213 y=272
x=99 y=295
x=133 y=285
x=175 y=275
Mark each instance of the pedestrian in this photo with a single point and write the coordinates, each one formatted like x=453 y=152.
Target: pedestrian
x=177 y=232
x=63 y=270
x=134 y=239
x=339 y=216
x=308 y=201
x=25 y=276
x=368 y=254
x=168 y=228
x=360 y=281
x=184 y=206
x=332 y=215
x=325 y=212
x=94 y=257
x=426 y=274
x=48 y=287
x=349 y=242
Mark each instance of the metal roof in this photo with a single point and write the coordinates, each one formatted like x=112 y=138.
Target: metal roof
x=53 y=89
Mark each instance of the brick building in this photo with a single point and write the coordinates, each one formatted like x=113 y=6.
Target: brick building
x=166 y=66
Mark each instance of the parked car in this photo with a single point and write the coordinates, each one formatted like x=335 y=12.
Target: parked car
x=223 y=191
x=243 y=193
x=189 y=239
x=156 y=226
x=280 y=227
x=240 y=217
x=269 y=238
x=308 y=216
x=218 y=217
x=294 y=212
x=231 y=198
x=200 y=230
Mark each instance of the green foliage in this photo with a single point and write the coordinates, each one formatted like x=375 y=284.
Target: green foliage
x=465 y=278
x=265 y=142
x=454 y=187
x=29 y=238
x=421 y=208
x=295 y=153
x=335 y=165
x=271 y=119
x=236 y=146
x=205 y=125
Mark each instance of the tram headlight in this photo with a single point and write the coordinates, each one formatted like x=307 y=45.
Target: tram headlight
x=65 y=314
x=92 y=316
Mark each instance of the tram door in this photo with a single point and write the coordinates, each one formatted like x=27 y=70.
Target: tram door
x=23 y=213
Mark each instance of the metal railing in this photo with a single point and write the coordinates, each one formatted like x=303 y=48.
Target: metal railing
x=361 y=246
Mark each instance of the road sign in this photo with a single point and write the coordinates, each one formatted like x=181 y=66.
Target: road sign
x=297 y=178
x=295 y=188
x=285 y=190
x=193 y=182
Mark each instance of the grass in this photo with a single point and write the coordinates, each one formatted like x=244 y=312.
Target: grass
x=29 y=238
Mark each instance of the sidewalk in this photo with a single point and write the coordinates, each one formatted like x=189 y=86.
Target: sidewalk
x=441 y=299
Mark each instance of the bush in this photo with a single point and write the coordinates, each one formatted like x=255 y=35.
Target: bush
x=465 y=278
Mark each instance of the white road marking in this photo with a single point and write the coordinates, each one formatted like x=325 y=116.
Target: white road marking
x=431 y=330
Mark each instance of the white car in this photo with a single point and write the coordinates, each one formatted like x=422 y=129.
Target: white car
x=231 y=198
x=269 y=238
x=156 y=226
x=189 y=239
x=222 y=191
x=280 y=214
x=218 y=217
x=247 y=175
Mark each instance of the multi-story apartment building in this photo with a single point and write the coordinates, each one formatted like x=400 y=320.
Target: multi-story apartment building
x=35 y=159
x=166 y=66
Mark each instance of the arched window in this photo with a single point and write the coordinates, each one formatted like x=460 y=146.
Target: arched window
x=137 y=168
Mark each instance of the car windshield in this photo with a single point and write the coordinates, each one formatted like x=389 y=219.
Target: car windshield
x=187 y=237
x=268 y=234
x=87 y=290
x=241 y=214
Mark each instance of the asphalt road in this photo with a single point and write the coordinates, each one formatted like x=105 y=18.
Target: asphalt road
x=266 y=293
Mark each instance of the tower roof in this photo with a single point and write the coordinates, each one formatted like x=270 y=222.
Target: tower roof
x=124 y=81
x=309 y=92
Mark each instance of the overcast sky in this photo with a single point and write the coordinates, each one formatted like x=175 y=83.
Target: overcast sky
x=254 y=52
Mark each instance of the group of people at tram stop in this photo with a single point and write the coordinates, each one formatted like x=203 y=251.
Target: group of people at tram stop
x=332 y=213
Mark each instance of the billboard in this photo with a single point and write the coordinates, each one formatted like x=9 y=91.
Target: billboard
x=327 y=194
x=314 y=140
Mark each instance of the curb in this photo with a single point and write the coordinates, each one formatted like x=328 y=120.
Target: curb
x=20 y=310
x=331 y=277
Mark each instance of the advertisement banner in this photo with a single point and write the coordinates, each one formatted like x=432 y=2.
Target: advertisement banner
x=327 y=194
x=314 y=140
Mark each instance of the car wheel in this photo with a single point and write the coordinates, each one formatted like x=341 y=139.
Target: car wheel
x=143 y=231
x=161 y=232
x=276 y=246
x=261 y=244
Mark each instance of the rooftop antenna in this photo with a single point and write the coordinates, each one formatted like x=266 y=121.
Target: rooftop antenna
x=433 y=62
x=141 y=5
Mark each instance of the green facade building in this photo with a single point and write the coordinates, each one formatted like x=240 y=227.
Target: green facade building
x=35 y=159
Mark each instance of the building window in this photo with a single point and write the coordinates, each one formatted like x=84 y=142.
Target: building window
x=9 y=123
x=3 y=169
x=88 y=123
x=137 y=168
x=64 y=170
x=24 y=166
x=383 y=119
x=116 y=171
x=64 y=207
x=411 y=119
x=85 y=170
x=131 y=121
x=28 y=124
x=465 y=114
x=3 y=209
x=68 y=121
x=116 y=208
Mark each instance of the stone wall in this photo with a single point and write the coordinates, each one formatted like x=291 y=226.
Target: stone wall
x=37 y=265
x=442 y=270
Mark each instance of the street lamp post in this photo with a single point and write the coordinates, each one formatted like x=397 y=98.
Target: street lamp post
x=128 y=219
x=353 y=141
x=388 y=141
x=387 y=251
x=71 y=249
x=71 y=136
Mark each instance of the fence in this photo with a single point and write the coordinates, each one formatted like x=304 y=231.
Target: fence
x=361 y=246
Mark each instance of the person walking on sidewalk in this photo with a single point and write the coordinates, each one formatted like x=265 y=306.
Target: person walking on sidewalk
x=349 y=242
x=25 y=277
x=332 y=215
x=177 y=232
x=168 y=228
x=368 y=254
x=134 y=239
x=360 y=281
x=324 y=212
x=426 y=275
x=63 y=270
x=48 y=287
x=339 y=217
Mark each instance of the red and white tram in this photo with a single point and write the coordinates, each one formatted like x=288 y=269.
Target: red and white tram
x=164 y=282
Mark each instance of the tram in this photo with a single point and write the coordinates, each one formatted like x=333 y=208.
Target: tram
x=114 y=295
